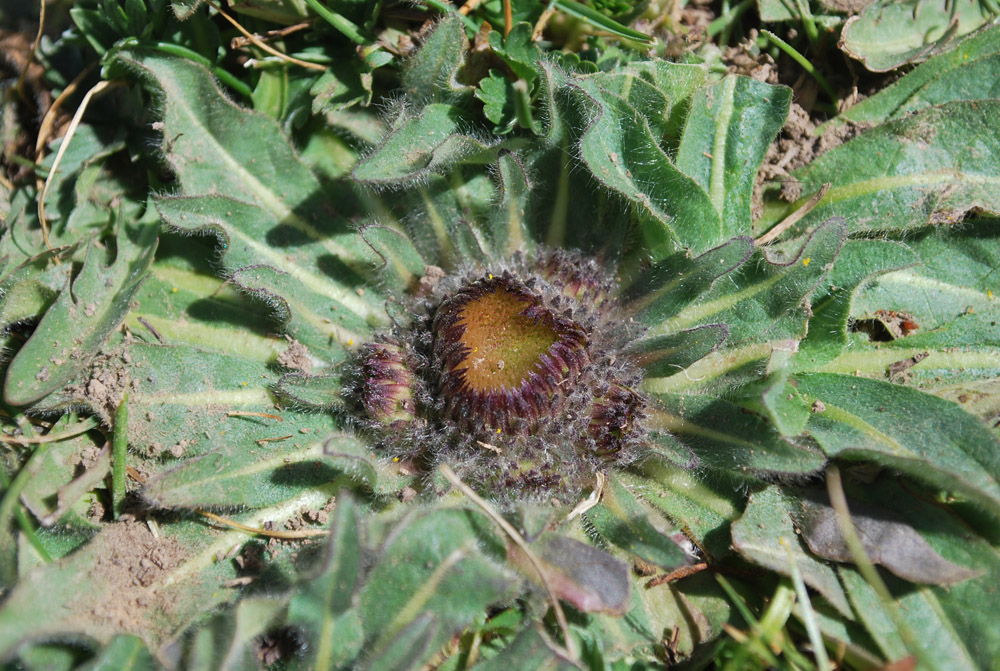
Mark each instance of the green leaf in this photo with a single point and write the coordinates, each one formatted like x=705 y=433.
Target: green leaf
x=399 y=264
x=89 y=308
x=765 y=298
x=497 y=95
x=231 y=477
x=677 y=281
x=957 y=306
x=518 y=50
x=162 y=597
x=580 y=574
x=432 y=74
x=285 y=12
x=52 y=470
x=595 y=18
x=766 y=536
x=29 y=289
x=957 y=74
x=408 y=648
x=621 y=519
x=725 y=436
x=508 y=226
x=528 y=650
x=324 y=603
x=928 y=168
x=315 y=308
x=729 y=129
x=229 y=642
x=240 y=179
x=418 y=144
x=185 y=9
x=124 y=653
x=310 y=392
x=342 y=86
x=889 y=34
x=949 y=294
x=430 y=581
x=620 y=150
x=952 y=623
x=670 y=353
x=928 y=438
x=782 y=403
x=857 y=264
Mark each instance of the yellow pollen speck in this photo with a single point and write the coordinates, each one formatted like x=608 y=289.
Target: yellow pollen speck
x=174 y=290
x=805 y=261
x=989 y=293
x=491 y=276
x=498 y=430
x=243 y=384
x=395 y=458
x=350 y=341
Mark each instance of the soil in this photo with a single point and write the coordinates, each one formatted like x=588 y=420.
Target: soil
x=296 y=357
x=132 y=562
x=796 y=146
x=108 y=381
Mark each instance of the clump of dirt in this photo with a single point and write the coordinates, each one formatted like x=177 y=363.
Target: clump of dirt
x=746 y=59
x=108 y=381
x=296 y=357
x=796 y=146
x=131 y=563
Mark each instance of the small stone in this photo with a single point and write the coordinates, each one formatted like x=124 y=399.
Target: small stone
x=818 y=406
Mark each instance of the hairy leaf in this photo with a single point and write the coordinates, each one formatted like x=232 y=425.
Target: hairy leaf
x=420 y=143
x=325 y=603
x=621 y=519
x=432 y=74
x=957 y=74
x=928 y=168
x=724 y=436
x=579 y=573
x=80 y=320
x=889 y=34
x=926 y=437
x=430 y=580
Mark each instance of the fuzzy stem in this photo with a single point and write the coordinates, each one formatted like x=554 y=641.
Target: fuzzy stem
x=119 y=454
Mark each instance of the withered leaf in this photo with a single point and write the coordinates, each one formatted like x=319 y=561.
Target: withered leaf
x=886 y=538
x=580 y=574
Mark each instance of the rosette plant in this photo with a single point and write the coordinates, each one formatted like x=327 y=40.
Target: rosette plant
x=499 y=372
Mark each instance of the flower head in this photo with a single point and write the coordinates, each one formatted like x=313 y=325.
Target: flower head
x=516 y=375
